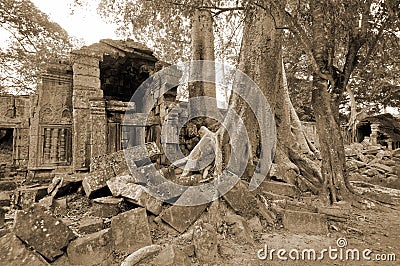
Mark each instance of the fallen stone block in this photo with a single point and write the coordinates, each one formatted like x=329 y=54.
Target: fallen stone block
x=304 y=222
x=396 y=170
x=46 y=202
x=65 y=185
x=383 y=167
x=107 y=207
x=54 y=183
x=2 y=217
x=60 y=205
x=120 y=184
x=188 y=250
x=138 y=154
x=95 y=184
x=107 y=166
x=247 y=205
x=141 y=198
x=170 y=256
x=140 y=255
x=181 y=217
x=334 y=212
x=255 y=224
x=167 y=192
x=239 y=228
x=266 y=213
x=279 y=188
x=118 y=161
x=372 y=150
x=89 y=225
x=205 y=240
x=61 y=261
x=5 y=198
x=8 y=185
x=147 y=175
x=133 y=193
x=130 y=230
x=272 y=196
x=92 y=249
x=25 y=197
x=14 y=252
x=281 y=172
x=42 y=231
x=396 y=153
x=351 y=166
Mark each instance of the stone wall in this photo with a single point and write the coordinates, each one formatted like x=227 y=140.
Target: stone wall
x=14 y=118
x=51 y=122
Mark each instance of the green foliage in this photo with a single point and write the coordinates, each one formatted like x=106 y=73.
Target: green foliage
x=33 y=42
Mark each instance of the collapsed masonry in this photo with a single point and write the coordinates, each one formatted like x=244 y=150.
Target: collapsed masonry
x=78 y=110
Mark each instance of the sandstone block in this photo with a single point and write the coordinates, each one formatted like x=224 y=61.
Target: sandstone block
x=107 y=207
x=181 y=217
x=14 y=252
x=205 y=241
x=91 y=249
x=134 y=193
x=171 y=255
x=304 y=222
x=95 y=183
x=247 y=205
x=130 y=230
x=90 y=225
x=42 y=231
x=279 y=188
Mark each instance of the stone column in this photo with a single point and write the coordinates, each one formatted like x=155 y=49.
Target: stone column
x=374 y=134
x=54 y=145
x=86 y=84
x=47 y=145
x=390 y=144
x=63 y=150
x=171 y=136
x=98 y=123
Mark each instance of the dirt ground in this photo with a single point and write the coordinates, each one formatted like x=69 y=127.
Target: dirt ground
x=373 y=226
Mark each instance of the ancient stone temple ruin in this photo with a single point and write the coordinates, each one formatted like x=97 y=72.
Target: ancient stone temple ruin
x=78 y=109
x=383 y=129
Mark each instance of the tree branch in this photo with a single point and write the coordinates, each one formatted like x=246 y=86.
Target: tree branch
x=307 y=46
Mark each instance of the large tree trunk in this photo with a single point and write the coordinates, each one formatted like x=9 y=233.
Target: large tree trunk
x=326 y=110
x=202 y=49
x=261 y=59
x=331 y=144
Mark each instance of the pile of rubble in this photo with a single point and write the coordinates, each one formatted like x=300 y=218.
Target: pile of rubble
x=106 y=217
x=373 y=164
